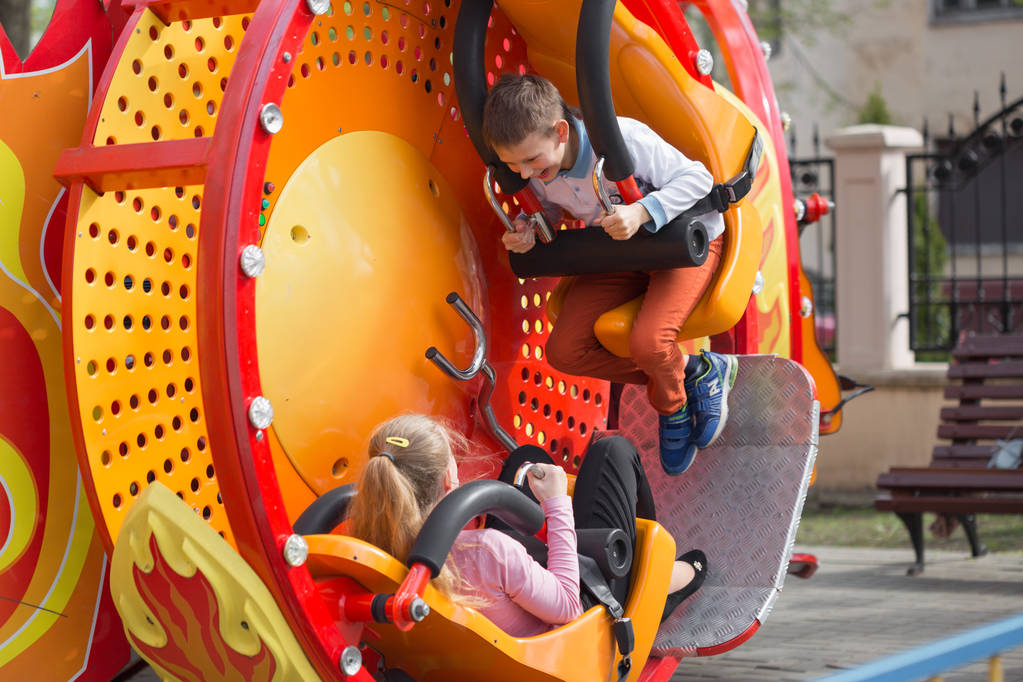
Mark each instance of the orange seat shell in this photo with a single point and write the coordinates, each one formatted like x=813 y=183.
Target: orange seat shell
x=459 y=643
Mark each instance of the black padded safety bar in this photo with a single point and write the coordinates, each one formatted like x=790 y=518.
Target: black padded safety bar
x=593 y=81
x=469 y=56
x=458 y=507
x=326 y=511
x=680 y=243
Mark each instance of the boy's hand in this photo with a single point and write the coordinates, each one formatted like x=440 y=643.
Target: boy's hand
x=625 y=221
x=522 y=239
x=553 y=483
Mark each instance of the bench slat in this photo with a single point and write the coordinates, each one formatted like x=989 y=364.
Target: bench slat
x=1012 y=369
x=979 y=431
x=979 y=392
x=960 y=463
x=960 y=451
x=997 y=345
x=952 y=505
x=952 y=479
x=975 y=413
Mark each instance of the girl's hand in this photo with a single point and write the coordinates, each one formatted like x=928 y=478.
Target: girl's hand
x=553 y=483
x=625 y=221
x=522 y=239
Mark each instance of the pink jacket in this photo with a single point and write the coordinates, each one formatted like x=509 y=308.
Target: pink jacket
x=522 y=597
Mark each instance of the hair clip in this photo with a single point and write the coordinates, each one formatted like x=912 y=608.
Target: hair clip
x=385 y=453
x=396 y=440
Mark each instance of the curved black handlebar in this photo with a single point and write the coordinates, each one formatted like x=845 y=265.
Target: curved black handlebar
x=460 y=505
x=681 y=243
x=593 y=81
x=326 y=511
x=471 y=85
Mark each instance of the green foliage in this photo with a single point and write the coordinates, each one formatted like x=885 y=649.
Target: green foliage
x=932 y=324
x=875 y=110
x=857 y=527
x=808 y=18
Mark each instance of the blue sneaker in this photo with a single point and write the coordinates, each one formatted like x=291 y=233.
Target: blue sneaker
x=708 y=397
x=677 y=448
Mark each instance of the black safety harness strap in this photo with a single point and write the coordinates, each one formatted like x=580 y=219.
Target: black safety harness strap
x=724 y=194
x=596 y=586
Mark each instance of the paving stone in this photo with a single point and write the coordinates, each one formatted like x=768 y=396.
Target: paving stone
x=860 y=606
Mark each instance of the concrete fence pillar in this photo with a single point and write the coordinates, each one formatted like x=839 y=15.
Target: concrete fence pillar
x=871 y=247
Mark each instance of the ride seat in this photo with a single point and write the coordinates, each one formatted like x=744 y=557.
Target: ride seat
x=458 y=643
x=721 y=305
x=650 y=85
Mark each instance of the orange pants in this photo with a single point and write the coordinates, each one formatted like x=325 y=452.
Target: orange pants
x=657 y=362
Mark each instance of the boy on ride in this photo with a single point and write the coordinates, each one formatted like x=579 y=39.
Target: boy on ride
x=533 y=131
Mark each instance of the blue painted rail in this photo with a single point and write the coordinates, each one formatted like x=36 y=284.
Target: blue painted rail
x=926 y=661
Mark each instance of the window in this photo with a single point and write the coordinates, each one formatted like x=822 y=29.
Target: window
x=975 y=10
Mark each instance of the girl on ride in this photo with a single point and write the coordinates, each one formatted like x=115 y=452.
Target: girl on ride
x=412 y=466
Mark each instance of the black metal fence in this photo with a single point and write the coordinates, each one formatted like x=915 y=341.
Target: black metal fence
x=965 y=211
x=816 y=174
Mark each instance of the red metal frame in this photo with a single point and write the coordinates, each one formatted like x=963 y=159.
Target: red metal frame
x=136 y=166
x=748 y=72
x=67 y=288
x=252 y=496
x=176 y=10
x=730 y=644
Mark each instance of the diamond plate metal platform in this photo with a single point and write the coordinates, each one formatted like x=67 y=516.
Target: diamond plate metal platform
x=740 y=502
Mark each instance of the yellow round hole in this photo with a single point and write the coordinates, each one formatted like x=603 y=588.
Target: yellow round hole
x=299 y=234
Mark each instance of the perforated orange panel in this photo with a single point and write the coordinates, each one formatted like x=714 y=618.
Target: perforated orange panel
x=133 y=294
x=136 y=368
x=371 y=66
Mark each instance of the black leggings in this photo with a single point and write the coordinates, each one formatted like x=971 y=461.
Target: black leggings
x=611 y=490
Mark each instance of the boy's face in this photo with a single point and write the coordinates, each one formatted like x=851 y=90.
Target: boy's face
x=540 y=155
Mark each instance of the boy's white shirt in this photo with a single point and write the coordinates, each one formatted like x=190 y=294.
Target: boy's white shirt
x=670 y=182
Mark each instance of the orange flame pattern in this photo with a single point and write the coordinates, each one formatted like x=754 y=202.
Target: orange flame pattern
x=188 y=610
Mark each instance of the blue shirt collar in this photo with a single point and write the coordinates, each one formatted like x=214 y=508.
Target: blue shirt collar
x=581 y=168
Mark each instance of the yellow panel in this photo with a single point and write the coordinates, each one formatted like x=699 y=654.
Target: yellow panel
x=170 y=80
x=191 y=606
x=135 y=347
x=364 y=243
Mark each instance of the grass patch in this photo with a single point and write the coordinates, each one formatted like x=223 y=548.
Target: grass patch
x=858 y=527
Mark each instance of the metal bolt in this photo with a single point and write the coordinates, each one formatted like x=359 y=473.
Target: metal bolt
x=252 y=261
x=261 y=413
x=805 y=306
x=704 y=62
x=286 y=57
x=351 y=660
x=418 y=609
x=799 y=206
x=765 y=47
x=296 y=550
x=758 y=283
x=786 y=120
x=271 y=119
x=318 y=7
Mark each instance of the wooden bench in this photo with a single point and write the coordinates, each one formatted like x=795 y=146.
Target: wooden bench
x=958 y=482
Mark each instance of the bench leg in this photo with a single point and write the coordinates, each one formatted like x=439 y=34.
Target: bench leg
x=969 y=522
x=914 y=522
